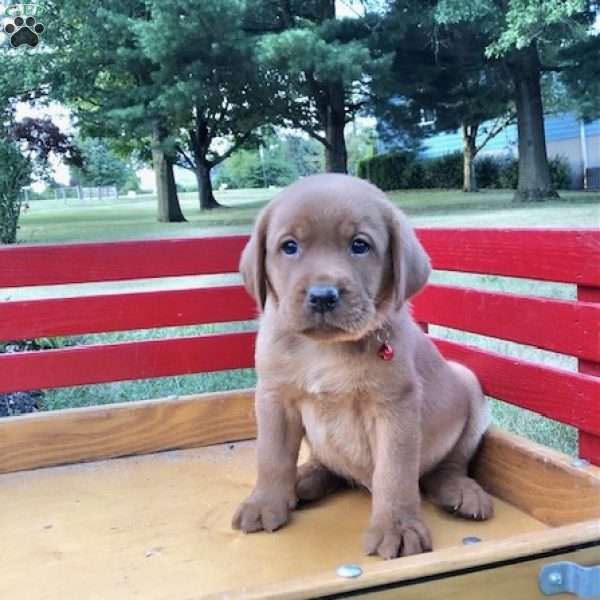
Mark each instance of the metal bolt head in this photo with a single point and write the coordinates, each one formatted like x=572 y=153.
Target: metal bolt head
x=555 y=578
x=349 y=571
x=580 y=463
x=472 y=539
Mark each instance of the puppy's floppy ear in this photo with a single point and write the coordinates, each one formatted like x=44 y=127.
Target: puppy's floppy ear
x=410 y=263
x=252 y=262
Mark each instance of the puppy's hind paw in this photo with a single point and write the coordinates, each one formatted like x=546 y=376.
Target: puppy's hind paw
x=475 y=504
x=466 y=498
x=315 y=481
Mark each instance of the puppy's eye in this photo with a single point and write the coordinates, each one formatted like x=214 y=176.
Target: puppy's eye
x=359 y=246
x=289 y=247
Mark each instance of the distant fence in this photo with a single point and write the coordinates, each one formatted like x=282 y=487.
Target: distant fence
x=75 y=195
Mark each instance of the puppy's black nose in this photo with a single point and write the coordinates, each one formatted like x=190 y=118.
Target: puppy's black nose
x=323 y=298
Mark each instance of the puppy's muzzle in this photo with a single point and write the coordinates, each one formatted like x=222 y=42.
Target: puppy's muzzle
x=322 y=299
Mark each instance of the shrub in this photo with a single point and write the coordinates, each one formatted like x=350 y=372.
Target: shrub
x=397 y=170
x=15 y=172
x=487 y=170
x=403 y=171
x=508 y=176
x=560 y=172
x=444 y=172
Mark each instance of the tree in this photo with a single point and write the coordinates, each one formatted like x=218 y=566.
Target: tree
x=245 y=169
x=26 y=148
x=304 y=153
x=455 y=84
x=529 y=36
x=14 y=174
x=324 y=61
x=361 y=143
x=278 y=161
x=208 y=80
x=111 y=85
x=101 y=166
x=582 y=82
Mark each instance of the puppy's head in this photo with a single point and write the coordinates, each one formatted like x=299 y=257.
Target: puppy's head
x=335 y=256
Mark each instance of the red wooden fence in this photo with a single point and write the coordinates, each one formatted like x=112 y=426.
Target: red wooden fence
x=568 y=327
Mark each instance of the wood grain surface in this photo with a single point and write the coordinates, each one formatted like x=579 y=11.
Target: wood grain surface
x=565 y=396
x=23 y=319
x=538 y=480
x=560 y=326
x=121 y=361
x=158 y=527
x=589 y=443
x=85 y=434
x=49 y=264
x=518 y=581
x=567 y=255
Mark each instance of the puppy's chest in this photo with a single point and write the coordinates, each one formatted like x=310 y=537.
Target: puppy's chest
x=341 y=435
x=337 y=394
x=328 y=373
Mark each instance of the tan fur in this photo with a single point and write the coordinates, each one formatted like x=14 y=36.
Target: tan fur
x=384 y=425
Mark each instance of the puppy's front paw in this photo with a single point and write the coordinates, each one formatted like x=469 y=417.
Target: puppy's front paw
x=264 y=511
x=391 y=538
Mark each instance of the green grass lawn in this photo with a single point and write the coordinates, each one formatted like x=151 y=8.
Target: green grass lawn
x=50 y=221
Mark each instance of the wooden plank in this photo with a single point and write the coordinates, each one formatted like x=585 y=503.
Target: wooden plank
x=119 y=312
x=567 y=327
x=126 y=360
x=517 y=581
x=566 y=255
x=48 y=264
x=589 y=447
x=589 y=444
x=159 y=526
x=538 y=480
x=589 y=368
x=575 y=326
x=561 y=395
x=570 y=256
x=85 y=434
x=444 y=562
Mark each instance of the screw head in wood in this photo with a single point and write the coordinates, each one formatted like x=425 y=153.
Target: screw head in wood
x=349 y=571
x=471 y=539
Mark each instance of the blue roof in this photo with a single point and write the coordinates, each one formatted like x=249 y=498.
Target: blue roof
x=564 y=126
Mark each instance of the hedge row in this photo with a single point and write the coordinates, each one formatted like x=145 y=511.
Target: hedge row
x=403 y=170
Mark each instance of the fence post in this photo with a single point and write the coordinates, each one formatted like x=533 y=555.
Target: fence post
x=589 y=444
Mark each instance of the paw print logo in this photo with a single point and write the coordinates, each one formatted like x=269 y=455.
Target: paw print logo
x=24 y=31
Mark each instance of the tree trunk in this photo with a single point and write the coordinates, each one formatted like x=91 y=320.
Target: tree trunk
x=10 y=211
x=169 y=210
x=205 y=191
x=469 y=153
x=336 y=157
x=534 y=172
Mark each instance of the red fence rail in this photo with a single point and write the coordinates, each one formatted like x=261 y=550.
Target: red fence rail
x=568 y=327
x=564 y=255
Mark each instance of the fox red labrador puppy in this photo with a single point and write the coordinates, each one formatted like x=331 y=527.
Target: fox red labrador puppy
x=342 y=363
